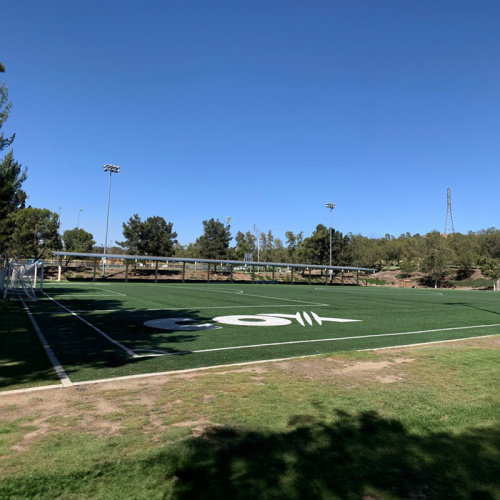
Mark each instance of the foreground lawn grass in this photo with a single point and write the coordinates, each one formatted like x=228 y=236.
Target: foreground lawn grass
x=408 y=423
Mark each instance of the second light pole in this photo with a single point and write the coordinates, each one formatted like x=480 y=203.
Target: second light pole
x=112 y=169
x=331 y=206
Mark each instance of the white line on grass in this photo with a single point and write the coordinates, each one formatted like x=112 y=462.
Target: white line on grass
x=246 y=363
x=65 y=381
x=310 y=341
x=215 y=367
x=197 y=307
x=66 y=295
x=189 y=287
x=392 y=292
x=299 y=302
x=105 y=335
x=239 y=292
x=83 y=294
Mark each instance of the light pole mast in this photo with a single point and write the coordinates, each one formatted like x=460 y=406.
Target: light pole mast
x=112 y=169
x=79 y=212
x=60 y=209
x=331 y=206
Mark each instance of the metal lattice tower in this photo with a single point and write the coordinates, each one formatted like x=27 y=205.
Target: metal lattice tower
x=449 y=226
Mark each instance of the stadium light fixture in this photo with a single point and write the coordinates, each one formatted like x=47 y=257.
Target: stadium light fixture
x=331 y=206
x=112 y=169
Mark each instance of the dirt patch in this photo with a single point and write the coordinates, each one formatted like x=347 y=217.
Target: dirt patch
x=105 y=409
x=334 y=370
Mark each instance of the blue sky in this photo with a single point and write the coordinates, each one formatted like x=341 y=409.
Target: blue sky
x=259 y=110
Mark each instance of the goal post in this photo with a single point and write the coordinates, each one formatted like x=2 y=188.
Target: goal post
x=21 y=281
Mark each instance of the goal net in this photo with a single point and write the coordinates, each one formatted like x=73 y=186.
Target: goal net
x=21 y=280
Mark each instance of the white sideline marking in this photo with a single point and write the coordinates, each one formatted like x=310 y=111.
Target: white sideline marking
x=191 y=307
x=297 y=301
x=105 y=335
x=83 y=294
x=63 y=376
x=397 y=290
x=92 y=295
x=310 y=341
x=215 y=367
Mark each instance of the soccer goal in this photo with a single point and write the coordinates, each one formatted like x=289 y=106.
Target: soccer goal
x=21 y=281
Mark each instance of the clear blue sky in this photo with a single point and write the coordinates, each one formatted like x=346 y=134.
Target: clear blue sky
x=258 y=110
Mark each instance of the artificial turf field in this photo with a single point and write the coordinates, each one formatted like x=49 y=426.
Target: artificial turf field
x=105 y=330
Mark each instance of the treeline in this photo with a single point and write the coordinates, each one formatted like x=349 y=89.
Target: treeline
x=432 y=253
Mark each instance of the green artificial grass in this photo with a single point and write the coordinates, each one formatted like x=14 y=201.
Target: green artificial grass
x=23 y=361
x=117 y=312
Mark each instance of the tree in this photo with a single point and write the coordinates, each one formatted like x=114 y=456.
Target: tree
x=12 y=176
x=316 y=248
x=489 y=243
x=245 y=243
x=214 y=242
x=364 y=251
x=465 y=250
x=266 y=242
x=12 y=197
x=132 y=234
x=35 y=231
x=279 y=252
x=491 y=269
x=293 y=243
x=154 y=236
x=5 y=107
x=158 y=237
x=77 y=240
x=437 y=257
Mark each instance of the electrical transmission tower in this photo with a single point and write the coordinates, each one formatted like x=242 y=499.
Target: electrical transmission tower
x=449 y=226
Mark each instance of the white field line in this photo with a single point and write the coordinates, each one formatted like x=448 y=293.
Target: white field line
x=166 y=309
x=391 y=292
x=311 y=341
x=238 y=292
x=187 y=287
x=66 y=295
x=215 y=367
x=83 y=294
x=105 y=335
x=65 y=381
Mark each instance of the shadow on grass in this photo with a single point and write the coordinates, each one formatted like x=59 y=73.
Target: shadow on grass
x=99 y=343
x=466 y=304
x=102 y=339
x=22 y=358
x=353 y=457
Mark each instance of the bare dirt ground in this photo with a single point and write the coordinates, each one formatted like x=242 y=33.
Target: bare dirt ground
x=99 y=408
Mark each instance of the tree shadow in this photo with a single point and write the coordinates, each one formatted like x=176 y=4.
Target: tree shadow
x=465 y=304
x=351 y=457
x=77 y=345
x=22 y=357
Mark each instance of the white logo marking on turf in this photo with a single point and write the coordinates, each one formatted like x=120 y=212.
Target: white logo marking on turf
x=256 y=320
x=175 y=324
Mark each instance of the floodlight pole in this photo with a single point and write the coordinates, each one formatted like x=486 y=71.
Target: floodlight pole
x=60 y=208
x=331 y=206
x=112 y=169
x=79 y=212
